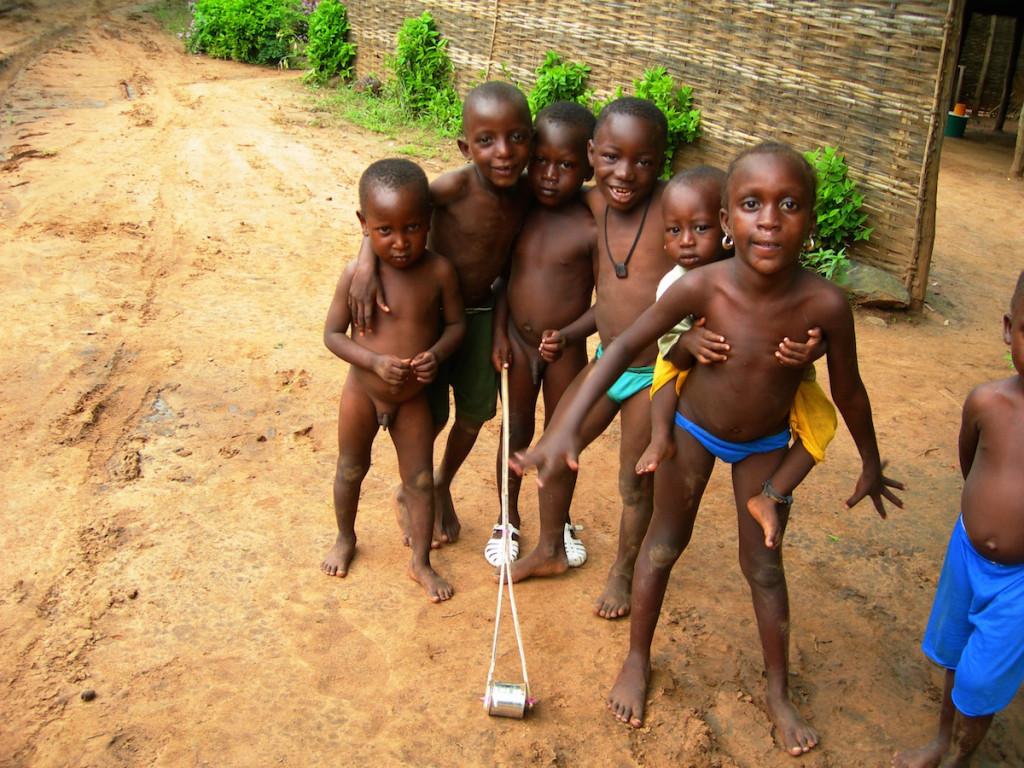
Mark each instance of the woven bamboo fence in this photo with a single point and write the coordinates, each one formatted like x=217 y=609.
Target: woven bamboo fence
x=869 y=78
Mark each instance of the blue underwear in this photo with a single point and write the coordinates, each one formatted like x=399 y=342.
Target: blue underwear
x=977 y=627
x=733 y=452
x=629 y=383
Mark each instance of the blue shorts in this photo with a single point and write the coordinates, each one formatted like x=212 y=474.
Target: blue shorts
x=633 y=380
x=733 y=452
x=977 y=627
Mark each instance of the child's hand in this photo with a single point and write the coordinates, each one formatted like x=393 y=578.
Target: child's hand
x=876 y=485
x=705 y=346
x=501 y=351
x=424 y=367
x=364 y=294
x=551 y=345
x=556 y=448
x=795 y=354
x=392 y=369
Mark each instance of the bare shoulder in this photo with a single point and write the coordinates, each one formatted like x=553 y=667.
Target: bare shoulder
x=593 y=199
x=440 y=266
x=452 y=186
x=1006 y=395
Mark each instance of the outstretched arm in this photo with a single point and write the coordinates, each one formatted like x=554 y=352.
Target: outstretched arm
x=559 y=443
x=851 y=398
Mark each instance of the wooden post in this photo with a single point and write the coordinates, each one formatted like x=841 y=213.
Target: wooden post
x=1017 y=169
x=980 y=89
x=1011 y=68
x=924 y=230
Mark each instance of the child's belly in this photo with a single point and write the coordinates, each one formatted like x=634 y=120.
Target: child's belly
x=738 y=402
x=383 y=393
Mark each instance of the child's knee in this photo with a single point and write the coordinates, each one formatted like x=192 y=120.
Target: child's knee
x=467 y=425
x=635 y=490
x=348 y=473
x=422 y=483
x=764 y=574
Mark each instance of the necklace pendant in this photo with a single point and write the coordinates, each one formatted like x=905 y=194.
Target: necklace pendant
x=620 y=271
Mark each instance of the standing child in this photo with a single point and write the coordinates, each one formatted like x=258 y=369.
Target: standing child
x=693 y=237
x=384 y=387
x=540 y=332
x=628 y=154
x=736 y=410
x=976 y=629
x=478 y=210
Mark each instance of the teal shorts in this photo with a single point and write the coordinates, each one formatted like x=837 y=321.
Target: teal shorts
x=469 y=373
x=631 y=381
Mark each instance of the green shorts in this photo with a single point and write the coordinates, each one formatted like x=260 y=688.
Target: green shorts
x=469 y=373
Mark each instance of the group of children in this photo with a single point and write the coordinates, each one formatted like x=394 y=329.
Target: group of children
x=493 y=266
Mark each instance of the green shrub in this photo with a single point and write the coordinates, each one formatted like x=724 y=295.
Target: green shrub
x=251 y=31
x=328 y=54
x=559 y=80
x=422 y=74
x=658 y=86
x=841 y=222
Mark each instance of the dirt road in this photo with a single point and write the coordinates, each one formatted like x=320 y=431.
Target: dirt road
x=171 y=229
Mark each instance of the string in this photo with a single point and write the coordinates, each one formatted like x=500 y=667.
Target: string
x=620 y=269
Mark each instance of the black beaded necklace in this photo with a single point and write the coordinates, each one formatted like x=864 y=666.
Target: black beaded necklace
x=620 y=269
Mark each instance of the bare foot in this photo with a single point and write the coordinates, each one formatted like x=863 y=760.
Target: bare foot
x=538 y=563
x=614 y=602
x=404 y=519
x=795 y=733
x=438 y=590
x=629 y=693
x=763 y=510
x=928 y=756
x=657 y=451
x=339 y=557
x=446 y=523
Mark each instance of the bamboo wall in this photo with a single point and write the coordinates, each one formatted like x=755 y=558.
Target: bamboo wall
x=865 y=77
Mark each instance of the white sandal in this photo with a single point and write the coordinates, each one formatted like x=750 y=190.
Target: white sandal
x=575 y=552
x=494 y=551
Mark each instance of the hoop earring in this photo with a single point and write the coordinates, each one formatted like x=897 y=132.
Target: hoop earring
x=727 y=241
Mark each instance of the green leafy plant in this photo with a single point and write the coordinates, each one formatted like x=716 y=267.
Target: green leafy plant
x=657 y=85
x=251 y=31
x=559 y=80
x=328 y=52
x=422 y=74
x=841 y=222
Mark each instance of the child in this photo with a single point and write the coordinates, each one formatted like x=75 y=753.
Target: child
x=478 y=209
x=737 y=410
x=389 y=369
x=541 y=331
x=976 y=630
x=693 y=237
x=628 y=154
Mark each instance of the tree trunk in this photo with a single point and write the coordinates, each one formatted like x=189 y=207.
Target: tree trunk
x=1017 y=169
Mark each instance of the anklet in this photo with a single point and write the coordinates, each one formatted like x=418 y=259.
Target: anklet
x=774 y=495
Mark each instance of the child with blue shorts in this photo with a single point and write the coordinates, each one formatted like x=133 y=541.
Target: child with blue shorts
x=976 y=628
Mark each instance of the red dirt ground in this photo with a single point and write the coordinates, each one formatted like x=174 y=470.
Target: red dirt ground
x=172 y=229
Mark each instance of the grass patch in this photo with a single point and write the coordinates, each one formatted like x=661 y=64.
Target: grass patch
x=174 y=15
x=387 y=117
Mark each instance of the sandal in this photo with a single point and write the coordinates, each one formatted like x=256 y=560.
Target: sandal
x=575 y=552
x=494 y=552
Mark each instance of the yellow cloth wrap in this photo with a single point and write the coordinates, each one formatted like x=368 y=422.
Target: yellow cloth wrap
x=664 y=372
x=812 y=417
